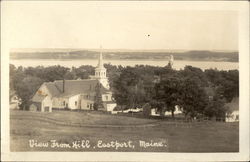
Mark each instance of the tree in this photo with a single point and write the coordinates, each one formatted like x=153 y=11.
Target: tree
x=215 y=108
x=113 y=73
x=53 y=73
x=16 y=75
x=169 y=92
x=134 y=86
x=225 y=82
x=12 y=75
x=69 y=75
x=229 y=88
x=83 y=72
x=160 y=106
x=194 y=98
x=183 y=91
x=125 y=87
x=98 y=104
x=26 y=88
x=195 y=74
x=146 y=110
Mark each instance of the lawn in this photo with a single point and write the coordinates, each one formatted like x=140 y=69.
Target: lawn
x=68 y=127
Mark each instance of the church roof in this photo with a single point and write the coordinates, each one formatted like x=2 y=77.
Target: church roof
x=73 y=87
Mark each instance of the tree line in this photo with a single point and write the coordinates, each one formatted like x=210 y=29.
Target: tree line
x=143 y=86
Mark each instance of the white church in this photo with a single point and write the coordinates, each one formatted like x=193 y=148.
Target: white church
x=74 y=94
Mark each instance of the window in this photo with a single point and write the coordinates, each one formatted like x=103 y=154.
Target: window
x=87 y=105
x=75 y=103
x=63 y=103
x=107 y=98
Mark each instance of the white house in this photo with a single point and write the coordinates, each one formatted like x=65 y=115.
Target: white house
x=233 y=114
x=154 y=112
x=74 y=94
x=176 y=111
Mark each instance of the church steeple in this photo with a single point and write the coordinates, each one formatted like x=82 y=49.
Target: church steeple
x=100 y=63
x=100 y=72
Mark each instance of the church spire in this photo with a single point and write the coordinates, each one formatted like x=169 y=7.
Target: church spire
x=100 y=72
x=100 y=63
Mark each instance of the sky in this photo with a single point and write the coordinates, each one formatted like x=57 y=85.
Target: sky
x=129 y=25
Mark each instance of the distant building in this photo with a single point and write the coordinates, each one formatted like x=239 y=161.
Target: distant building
x=171 y=61
x=177 y=110
x=155 y=112
x=74 y=94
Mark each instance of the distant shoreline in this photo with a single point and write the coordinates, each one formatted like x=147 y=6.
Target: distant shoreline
x=130 y=55
x=178 y=64
x=132 y=59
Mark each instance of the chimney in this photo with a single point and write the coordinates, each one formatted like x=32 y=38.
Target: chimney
x=63 y=85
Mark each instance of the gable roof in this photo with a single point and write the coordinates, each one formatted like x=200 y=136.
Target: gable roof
x=72 y=87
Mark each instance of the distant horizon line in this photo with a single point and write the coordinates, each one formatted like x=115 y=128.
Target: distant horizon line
x=113 y=49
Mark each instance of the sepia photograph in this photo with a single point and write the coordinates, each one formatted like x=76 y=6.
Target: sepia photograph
x=96 y=78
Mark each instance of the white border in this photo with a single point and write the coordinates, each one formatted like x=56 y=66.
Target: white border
x=243 y=10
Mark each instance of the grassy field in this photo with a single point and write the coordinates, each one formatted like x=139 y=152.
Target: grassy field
x=101 y=129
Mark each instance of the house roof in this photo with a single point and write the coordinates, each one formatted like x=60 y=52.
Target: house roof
x=54 y=91
x=72 y=87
